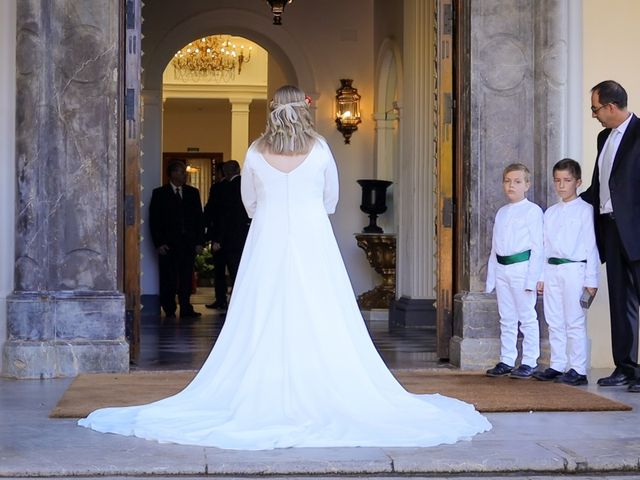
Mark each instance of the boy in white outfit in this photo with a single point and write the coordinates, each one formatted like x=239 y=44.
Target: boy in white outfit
x=515 y=267
x=572 y=266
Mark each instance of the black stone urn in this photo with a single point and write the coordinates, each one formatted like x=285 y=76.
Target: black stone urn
x=374 y=202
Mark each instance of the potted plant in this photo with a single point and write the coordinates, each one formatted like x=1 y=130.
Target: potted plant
x=203 y=268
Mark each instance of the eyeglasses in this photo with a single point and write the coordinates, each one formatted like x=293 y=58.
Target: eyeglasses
x=597 y=109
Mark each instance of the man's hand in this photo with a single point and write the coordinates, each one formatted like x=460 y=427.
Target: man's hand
x=162 y=249
x=592 y=291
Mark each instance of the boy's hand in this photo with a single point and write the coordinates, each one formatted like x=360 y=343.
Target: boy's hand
x=540 y=287
x=592 y=291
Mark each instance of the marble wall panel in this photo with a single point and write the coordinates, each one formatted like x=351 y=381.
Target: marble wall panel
x=67 y=145
x=518 y=109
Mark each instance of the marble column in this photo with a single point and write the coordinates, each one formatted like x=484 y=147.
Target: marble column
x=239 y=128
x=517 y=112
x=7 y=156
x=416 y=170
x=66 y=314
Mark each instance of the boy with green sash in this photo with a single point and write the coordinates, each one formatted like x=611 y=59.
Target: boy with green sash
x=515 y=267
x=571 y=271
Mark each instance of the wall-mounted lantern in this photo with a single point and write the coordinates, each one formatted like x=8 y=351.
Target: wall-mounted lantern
x=347 y=109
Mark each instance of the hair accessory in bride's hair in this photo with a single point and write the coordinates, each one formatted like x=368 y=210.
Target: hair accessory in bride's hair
x=287 y=109
x=284 y=106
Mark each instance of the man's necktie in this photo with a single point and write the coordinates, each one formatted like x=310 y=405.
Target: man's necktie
x=605 y=168
x=178 y=193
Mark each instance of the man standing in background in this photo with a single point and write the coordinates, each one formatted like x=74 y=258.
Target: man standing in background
x=175 y=221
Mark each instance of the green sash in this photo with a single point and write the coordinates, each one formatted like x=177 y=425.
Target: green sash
x=560 y=261
x=515 y=258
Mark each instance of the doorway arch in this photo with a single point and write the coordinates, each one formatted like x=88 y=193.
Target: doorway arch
x=282 y=47
x=280 y=44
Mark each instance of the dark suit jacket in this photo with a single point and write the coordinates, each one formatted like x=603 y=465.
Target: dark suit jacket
x=234 y=222
x=213 y=211
x=176 y=222
x=624 y=184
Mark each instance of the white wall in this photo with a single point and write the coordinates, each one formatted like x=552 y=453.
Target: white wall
x=609 y=53
x=7 y=156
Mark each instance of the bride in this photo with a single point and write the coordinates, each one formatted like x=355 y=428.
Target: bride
x=294 y=365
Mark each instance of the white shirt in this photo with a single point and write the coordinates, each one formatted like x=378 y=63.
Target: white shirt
x=517 y=228
x=608 y=207
x=177 y=190
x=569 y=233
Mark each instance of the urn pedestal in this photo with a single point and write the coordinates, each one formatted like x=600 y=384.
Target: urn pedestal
x=381 y=254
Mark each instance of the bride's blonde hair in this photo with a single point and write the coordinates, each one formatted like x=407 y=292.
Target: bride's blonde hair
x=289 y=127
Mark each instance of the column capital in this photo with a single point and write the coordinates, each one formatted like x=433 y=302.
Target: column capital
x=240 y=104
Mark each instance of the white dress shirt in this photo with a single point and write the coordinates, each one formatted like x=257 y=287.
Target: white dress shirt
x=517 y=228
x=569 y=233
x=608 y=207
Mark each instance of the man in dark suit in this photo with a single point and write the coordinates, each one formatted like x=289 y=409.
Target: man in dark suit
x=213 y=213
x=230 y=232
x=175 y=220
x=615 y=196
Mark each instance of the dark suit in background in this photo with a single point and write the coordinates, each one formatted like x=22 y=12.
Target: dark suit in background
x=234 y=224
x=618 y=232
x=213 y=213
x=177 y=223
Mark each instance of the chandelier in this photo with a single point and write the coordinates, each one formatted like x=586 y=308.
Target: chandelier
x=210 y=58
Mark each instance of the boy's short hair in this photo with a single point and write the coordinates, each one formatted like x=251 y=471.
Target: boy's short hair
x=571 y=166
x=517 y=167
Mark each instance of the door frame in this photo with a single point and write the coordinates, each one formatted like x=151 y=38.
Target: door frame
x=447 y=238
x=131 y=173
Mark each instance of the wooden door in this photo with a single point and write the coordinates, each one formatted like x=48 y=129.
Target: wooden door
x=131 y=177
x=445 y=182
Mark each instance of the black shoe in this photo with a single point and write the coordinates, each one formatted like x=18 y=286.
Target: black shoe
x=572 y=378
x=500 y=370
x=546 y=376
x=616 y=379
x=634 y=387
x=523 y=372
x=190 y=314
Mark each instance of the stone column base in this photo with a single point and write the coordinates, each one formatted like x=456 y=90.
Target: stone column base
x=25 y=359
x=475 y=344
x=412 y=313
x=57 y=334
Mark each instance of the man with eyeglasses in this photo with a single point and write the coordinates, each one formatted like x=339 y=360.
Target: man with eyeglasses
x=615 y=196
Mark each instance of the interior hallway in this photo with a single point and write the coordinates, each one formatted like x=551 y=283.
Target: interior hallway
x=175 y=344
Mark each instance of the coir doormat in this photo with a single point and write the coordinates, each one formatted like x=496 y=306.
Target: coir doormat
x=92 y=391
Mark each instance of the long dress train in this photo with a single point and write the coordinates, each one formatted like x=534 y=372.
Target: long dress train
x=294 y=365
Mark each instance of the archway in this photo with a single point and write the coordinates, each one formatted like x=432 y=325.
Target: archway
x=284 y=54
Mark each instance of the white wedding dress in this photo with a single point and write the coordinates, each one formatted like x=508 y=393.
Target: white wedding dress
x=294 y=365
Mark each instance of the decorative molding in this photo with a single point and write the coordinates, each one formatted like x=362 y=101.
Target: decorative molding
x=250 y=92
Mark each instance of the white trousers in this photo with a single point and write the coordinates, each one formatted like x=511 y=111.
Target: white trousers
x=517 y=306
x=563 y=286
